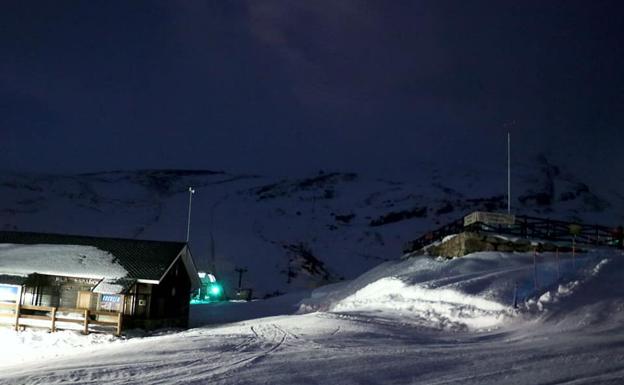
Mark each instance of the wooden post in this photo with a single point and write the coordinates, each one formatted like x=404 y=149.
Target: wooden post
x=119 y=323
x=53 y=328
x=18 y=304
x=86 y=322
x=17 y=314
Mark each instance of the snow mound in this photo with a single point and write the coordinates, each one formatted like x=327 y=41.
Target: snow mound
x=478 y=291
x=595 y=297
x=445 y=308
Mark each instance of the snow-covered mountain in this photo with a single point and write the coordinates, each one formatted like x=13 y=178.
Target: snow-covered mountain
x=293 y=233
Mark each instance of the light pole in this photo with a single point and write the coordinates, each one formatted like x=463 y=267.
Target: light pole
x=188 y=221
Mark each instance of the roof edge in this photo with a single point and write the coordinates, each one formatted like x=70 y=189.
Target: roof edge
x=189 y=265
x=92 y=236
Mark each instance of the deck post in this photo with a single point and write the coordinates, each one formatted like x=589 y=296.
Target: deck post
x=17 y=315
x=53 y=327
x=86 y=322
x=18 y=307
x=119 y=323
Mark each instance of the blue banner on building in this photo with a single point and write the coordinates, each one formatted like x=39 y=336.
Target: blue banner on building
x=111 y=298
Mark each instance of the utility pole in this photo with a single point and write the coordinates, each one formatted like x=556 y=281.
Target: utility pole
x=188 y=220
x=240 y=271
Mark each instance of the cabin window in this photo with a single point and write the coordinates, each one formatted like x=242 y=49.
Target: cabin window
x=9 y=293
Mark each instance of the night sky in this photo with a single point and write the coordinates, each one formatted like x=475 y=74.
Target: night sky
x=282 y=87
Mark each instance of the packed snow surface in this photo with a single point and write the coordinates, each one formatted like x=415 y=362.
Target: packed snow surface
x=416 y=321
x=63 y=260
x=392 y=295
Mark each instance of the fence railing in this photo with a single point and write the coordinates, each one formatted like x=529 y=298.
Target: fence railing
x=57 y=318
x=552 y=270
x=529 y=227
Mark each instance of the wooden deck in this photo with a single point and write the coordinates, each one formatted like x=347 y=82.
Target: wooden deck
x=58 y=317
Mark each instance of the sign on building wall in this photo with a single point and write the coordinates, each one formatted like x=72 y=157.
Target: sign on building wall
x=110 y=302
x=85 y=281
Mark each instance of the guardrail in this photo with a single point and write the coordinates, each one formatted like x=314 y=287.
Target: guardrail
x=59 y=318
x=529 y=227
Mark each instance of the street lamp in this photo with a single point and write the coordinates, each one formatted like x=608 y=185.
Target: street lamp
x=188 y=221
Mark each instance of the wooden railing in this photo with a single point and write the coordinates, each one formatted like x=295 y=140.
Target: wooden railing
x=530 y=228
x=112 y=321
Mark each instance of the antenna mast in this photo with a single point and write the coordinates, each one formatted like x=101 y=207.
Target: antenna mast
x=188 y=220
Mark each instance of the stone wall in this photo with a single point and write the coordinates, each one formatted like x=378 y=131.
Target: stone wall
x=471 y=242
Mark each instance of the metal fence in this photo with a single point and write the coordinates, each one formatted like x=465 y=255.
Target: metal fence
x=552 y=272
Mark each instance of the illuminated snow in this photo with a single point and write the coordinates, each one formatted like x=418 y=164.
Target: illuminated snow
x=443 y=307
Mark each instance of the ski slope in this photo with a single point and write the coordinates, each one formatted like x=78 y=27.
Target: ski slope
x=416 y=321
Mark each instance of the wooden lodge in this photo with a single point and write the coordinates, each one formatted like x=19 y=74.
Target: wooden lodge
x=94 y=283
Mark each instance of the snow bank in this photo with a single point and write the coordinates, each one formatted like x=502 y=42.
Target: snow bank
x=65 y=260
x=477 y=291
x=437 y=307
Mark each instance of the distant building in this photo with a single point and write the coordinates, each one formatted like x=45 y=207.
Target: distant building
x=147 y=284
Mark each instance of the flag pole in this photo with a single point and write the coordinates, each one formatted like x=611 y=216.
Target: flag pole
x=188 y=220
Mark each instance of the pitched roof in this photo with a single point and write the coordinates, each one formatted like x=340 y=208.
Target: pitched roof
x=12 y=279
x=142 y=259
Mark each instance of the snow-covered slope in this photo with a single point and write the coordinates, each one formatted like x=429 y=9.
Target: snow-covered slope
x=479 y=291
x=293 y=233
x=415 y=321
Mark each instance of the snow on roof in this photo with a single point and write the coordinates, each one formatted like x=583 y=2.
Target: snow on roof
x=62 y=260
x=113 y=286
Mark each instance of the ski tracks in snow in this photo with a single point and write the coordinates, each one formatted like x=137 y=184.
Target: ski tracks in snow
x=169 y=366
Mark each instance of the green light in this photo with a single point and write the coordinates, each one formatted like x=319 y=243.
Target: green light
x=215 y=290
